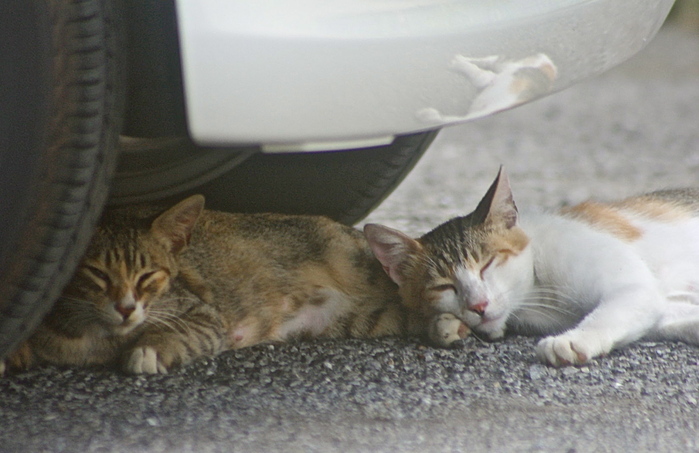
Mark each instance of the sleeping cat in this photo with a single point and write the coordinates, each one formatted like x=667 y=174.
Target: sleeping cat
x=159 y=289
x=590 y=278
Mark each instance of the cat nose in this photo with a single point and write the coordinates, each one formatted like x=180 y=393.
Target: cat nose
x=125 y=310
x=479 y=308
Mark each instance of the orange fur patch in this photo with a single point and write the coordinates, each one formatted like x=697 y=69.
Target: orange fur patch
x=606 y=217
x=508 y=243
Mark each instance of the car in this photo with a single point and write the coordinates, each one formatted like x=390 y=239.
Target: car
x=311 y=106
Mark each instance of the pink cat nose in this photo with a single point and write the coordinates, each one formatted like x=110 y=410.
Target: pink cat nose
x=479 y=308
x=124 y=310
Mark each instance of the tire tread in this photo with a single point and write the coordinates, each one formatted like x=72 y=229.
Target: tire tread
x=85 y=119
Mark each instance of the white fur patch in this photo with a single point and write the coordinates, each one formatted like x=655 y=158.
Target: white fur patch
x=314 y=319
x=671 y=250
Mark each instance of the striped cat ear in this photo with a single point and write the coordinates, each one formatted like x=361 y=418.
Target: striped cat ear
x=391 y=247
x=498 y=205
x=174 y=226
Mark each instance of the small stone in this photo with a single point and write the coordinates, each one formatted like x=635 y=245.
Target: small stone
x=537 y=372
x=569 y=371
x=152 y=421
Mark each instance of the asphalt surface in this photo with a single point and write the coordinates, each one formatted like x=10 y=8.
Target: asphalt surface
x=632 y=130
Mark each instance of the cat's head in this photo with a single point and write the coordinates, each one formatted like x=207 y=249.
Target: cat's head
x=129 y=264
x=470 y=266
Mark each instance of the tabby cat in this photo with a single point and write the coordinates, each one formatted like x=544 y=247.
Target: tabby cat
x=590 y=278
x=159 y=289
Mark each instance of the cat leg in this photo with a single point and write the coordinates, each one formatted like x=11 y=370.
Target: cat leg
x=616 y=321
x=46 y=346
x=198 y=333
x=20 y=359
x=144 y=360
x=679 y=322
x=157 y=355
x=446 y=328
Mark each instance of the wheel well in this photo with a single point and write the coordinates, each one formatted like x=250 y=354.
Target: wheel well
x=155 y=94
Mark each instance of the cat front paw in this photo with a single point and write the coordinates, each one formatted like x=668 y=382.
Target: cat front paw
x=145 y=360
x=20 y=359
x=446 y=328
x=570 y=348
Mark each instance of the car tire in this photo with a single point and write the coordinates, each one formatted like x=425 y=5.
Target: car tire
x=343 y=185
x=61 y=95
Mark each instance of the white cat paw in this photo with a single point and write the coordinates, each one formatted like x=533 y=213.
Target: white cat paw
x=568 y=349
x=144 y=360
x=446 y=328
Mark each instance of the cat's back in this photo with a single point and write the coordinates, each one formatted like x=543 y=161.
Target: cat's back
x=660 y=227
x=310 y=265
x=636 y=217
x=685 y=201
x=249 y=242
x=291 y=238
x=281 y=249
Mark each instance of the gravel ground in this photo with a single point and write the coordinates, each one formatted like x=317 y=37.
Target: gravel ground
x=390 y=395
x=631 y=130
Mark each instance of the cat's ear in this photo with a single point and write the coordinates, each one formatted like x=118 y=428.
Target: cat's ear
x=391 y=248
x=498 y=205
x=174 y=226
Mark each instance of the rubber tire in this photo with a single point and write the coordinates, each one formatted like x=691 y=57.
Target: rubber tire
x=343 y=185
x=63 y=81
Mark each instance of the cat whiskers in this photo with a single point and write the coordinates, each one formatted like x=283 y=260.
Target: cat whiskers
x=541 y=311
x=170 y=318
x=170 y=321
x=475 y=335
x=546 y=302
x=551 y=298
x=81 y=310
x=76 y=301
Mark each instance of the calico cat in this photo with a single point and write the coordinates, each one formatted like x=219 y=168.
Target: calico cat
x=158 y=289
x=589 y=278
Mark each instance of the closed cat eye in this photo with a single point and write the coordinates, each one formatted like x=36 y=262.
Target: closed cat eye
x=445 y=287
x=487 y=265
x=143 y=279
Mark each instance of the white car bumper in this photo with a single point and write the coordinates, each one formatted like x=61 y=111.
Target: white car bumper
x=323 y=74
